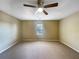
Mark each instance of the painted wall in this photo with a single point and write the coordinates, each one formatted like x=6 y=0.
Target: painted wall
x=50 y=27
x=69 y=31
x=9 y=31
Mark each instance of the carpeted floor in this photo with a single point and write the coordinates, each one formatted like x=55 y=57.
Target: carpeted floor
x=40 y=50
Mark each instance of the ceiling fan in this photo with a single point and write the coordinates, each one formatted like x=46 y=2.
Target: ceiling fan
x=41 y=5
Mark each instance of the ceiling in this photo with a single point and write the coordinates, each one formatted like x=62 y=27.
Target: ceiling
x=15 y=8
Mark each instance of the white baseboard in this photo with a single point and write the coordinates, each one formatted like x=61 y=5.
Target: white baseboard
x=3 y=50
x=48 y=40
x=70 y=45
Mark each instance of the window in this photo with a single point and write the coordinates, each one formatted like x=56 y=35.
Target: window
x=39 y=29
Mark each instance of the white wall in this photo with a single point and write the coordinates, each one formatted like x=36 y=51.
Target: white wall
x=9 y=31
x=69 y=31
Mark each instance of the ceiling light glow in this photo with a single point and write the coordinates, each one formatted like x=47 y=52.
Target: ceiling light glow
x=40 y=9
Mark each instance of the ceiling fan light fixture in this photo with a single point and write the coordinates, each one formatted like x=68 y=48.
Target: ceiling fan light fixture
x=40 y=9
x=41 y=6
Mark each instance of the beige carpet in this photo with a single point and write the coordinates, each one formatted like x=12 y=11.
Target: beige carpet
x=40 y=50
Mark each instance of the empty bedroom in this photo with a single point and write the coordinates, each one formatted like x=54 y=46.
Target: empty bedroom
x=39 y=29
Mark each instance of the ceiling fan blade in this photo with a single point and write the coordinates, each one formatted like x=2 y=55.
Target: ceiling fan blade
x=45 y=12
x=51 y=5
x=29 y=5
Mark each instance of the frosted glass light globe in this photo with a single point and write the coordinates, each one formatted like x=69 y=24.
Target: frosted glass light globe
x=40 y=9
